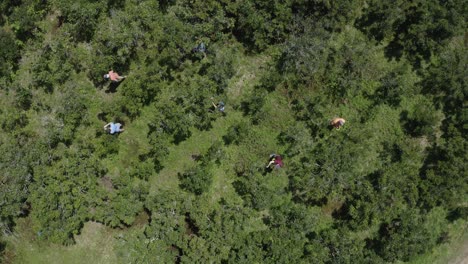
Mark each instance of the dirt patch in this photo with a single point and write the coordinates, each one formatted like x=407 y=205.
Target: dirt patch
x=332 y=207
x=424 y=142
x=106 y=182
x=196 y=157
x=246 y=75
x=461 y=256
x=8 y=256
x=142 y=219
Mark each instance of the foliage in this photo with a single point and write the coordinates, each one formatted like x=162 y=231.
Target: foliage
x=415 y=29
x=199 y=179
x=183 y=183
x=25 y=16
x=9 y=51
x=63 y=193
x=16 y=180
x=79 y=18
x=410 y=234
x=120 y=207
x=446 y=164
x=196 y=180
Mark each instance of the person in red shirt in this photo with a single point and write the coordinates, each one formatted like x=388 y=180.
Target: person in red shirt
x=275 y=160
x=113 y=76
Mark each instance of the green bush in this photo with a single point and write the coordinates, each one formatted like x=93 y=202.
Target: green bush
x=196 y=180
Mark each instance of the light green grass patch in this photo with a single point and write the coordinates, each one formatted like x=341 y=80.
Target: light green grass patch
x=455 y=251
x=94 y=245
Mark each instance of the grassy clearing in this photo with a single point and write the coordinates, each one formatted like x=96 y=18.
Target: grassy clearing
x=93 y=245
x=454 y=252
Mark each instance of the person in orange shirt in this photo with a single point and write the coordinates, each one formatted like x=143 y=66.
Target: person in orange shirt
x=113 y=76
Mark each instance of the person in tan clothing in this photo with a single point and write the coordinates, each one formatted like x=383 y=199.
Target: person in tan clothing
x=337 y=122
